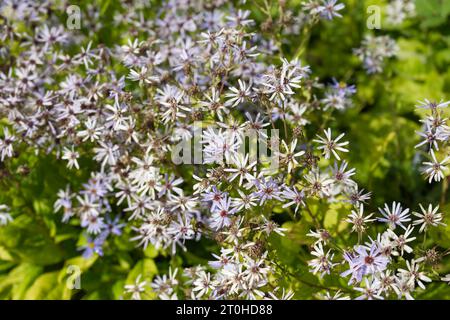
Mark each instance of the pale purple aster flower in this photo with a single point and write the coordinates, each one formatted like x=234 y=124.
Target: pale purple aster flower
x=267 y=189
x=394 y=217
x=221 y=215
x=94 y=245
x=370 y=290
x=330 y=9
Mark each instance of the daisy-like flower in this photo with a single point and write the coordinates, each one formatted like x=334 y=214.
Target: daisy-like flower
x=165 y=285
x=323 y=261
x=6 y=144
x=319 y=183
x=214 y=105
x=215 y=196
x=331 y=146
x=270 y=226
x=428 y=217
x=243 y=170
x=142 y=76
x=394 y=217
x=202 y=284
x=181 y=230
x=359 y=220
x=137 y=288
x=369 y=259
x=94 y=224
x=169 y=186
x=71 y=156
x=94 y=245
x=180 y=201
x=329 y=9
x=256 y=270
x=237 y=96
x=355 y=196
x=289 y=157
x=341 y=176
x=370 y=290
x=280 y=83
x=92 y=131
x=223 y=260
x=322 y=236
x=401 y=241
x=296 y=197
x=432 y=105
x=403 y=287
x=434 y=170
x=267 y=189
x=221 y=215
x=387 y=282
x=245 y=201
x=430 y=138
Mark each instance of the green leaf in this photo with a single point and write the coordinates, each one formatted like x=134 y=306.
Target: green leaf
x=46 y=287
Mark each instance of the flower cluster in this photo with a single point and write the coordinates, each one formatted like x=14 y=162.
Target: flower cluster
x=123 y=113
x=435 y=132
x=399 y=10
x=373 y=52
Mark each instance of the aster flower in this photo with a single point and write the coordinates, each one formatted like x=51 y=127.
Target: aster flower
x=370 y=290
x=221 y=216
x=323 y=261
x=394 y=217
x=359 y=221
x=137 y=288
x=270 y=226
x=319 y=183
x=243 y=170
x=413 y=274
x=181 y=230
x=369 y=259
x=322 y=236
x=165 y=285
x=331 y=146
x=289 y=156
x=222 y=260
x=267 y=189
x=112 y=226
x=238 y=96
x=356 y=197
x=341 y=176
x=329 y=9
x=401 y=241
x=6 y=145
x=93 y=246
x=285 y=295
x=71 y=156
x=432 y=105
x=245 y=201
x=435 y=169
x=428 y=217
x=297 y=197
x=202 y=284
x=403 y=287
